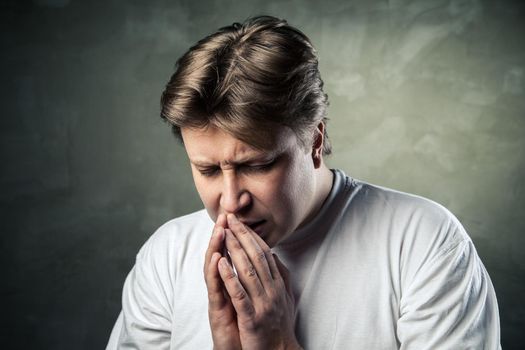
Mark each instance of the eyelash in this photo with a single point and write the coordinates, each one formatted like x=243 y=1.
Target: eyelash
x=250 y=169
x=208 y=173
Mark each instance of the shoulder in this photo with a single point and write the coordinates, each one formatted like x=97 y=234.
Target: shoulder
x=410 y=215
x=399 y=202
x=191 y=230
x=148 y=294
x=414 y=230
x=175 y=247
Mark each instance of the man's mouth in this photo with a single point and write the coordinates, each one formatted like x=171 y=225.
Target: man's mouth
x=257 y=226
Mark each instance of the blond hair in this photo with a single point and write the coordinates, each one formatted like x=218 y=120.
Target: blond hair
x=248 y=79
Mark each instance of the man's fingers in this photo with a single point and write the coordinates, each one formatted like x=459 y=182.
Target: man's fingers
x=246 y=270
x=238 y=295
x=216 y=240
x=212 y=277
x=257 y=253
x=235 y=225
x=269 y=257
x=216 y=244
x=221 y=221
x=216 y=295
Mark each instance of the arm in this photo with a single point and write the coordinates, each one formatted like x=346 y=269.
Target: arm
x=450 y=304
x=145 y=318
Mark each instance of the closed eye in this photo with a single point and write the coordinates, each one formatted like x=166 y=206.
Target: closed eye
x=209 y=172
x=256 y=168
x=260 y=168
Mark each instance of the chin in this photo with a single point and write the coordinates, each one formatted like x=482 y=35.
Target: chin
x=271 y=241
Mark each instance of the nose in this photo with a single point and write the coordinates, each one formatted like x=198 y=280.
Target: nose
x=234 y=198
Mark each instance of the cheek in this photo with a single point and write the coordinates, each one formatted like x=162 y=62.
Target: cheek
x=287 y=194
x=208 y=196
x=297 y=190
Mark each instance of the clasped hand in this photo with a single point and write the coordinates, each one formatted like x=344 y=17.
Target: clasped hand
x=252 y=308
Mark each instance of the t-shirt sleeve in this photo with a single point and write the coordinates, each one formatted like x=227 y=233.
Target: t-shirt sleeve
x=145 y=320
x=450 y=303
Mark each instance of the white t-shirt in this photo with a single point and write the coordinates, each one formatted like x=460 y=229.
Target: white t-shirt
x=375 y=269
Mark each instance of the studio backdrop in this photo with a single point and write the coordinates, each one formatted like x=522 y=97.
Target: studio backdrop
x=426 y=96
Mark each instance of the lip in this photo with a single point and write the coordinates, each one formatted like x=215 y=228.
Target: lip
x=256 y=226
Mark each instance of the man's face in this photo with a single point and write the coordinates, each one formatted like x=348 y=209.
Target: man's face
x=270 y=191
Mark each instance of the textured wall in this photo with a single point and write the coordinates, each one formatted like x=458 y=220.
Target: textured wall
x=426 y=96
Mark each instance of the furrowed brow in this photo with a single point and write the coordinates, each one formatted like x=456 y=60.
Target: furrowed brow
x=251 y=159
x=241 y=161
x=202 y=164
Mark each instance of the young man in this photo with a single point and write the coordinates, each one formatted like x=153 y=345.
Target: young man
x=294 y=255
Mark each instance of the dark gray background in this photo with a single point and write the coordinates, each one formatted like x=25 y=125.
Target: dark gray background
x=426 y=96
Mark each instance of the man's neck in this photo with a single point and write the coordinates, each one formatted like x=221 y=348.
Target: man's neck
x=324 y=182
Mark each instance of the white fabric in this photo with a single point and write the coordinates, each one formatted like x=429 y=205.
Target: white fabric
x=376 y=269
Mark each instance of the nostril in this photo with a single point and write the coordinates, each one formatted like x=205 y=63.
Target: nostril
x=245 y=198
x=234 y=205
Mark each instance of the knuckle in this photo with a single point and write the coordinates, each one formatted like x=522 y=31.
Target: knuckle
x=243 y=230
x=230 y=275
x=240 y=295
x=260 y=256
x=236 y=244
x=250 y=271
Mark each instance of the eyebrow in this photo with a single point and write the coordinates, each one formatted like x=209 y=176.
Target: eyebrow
x=266 y=157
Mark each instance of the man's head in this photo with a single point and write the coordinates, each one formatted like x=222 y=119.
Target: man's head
x=248 y=104
x=249 y=79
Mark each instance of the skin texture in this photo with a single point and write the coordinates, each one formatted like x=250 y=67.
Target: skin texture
x=256 y=198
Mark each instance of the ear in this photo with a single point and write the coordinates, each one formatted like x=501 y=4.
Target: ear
x=317 y=146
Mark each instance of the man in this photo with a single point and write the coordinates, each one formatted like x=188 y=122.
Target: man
x=294 y=255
